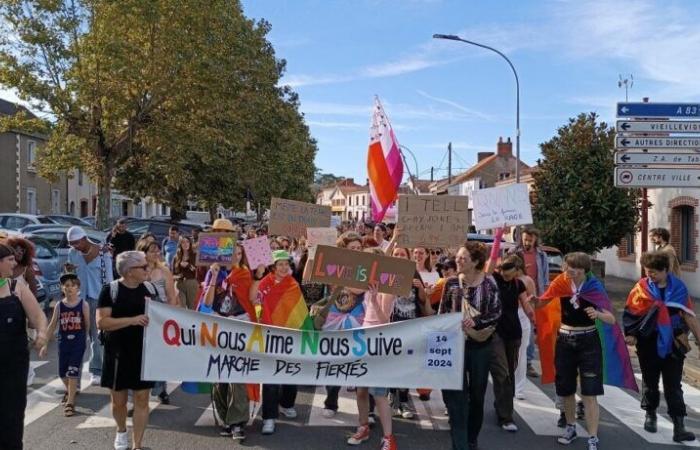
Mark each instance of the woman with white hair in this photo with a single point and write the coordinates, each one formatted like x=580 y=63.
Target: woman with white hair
x=121 y=317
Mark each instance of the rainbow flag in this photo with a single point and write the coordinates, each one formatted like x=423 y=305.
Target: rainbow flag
x=384 y=164
x=617 y=368
x=283 y=304
x=646 y=294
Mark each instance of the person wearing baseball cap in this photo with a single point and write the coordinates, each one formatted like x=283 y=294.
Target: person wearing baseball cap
x=93 y=267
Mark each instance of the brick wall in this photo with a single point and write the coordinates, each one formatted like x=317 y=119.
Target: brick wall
x=675 y=221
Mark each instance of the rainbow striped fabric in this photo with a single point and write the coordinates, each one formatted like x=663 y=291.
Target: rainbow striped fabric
x=283 y=303
x=384 y=164
x=617 y=367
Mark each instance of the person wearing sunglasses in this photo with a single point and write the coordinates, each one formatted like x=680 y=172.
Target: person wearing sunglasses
x=121 y=315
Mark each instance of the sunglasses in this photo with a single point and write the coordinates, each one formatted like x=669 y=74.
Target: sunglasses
x=435 y=252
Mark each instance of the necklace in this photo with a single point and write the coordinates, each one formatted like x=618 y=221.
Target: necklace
x=3 y=282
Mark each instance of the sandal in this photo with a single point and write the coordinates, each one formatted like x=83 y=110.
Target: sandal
x=64 y=400
x=69 y=410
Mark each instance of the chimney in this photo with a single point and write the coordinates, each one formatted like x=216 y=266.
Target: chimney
x=366 y=181
x=505 y=149
x=483 y=155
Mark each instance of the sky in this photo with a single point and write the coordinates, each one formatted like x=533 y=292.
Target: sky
x=569 y=56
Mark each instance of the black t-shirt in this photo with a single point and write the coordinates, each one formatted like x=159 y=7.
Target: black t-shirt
x=509 y=292
x=129 y=303
x=122 y=242
x=575 y=317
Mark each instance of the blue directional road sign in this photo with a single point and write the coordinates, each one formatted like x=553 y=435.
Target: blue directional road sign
x=628 y=109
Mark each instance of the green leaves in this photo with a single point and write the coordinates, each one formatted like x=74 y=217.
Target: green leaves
x=577 y=207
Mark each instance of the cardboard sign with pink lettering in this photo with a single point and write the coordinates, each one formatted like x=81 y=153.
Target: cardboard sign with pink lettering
x=258 y=252
x=343 y=267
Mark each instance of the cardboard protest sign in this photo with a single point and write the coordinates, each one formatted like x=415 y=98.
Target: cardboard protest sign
x=292 y=218
x=181 y=345
x=339 y=266
x=216 y=248
x=499 y=206
x=257 y=251
x=432 y=220
x=316 y=236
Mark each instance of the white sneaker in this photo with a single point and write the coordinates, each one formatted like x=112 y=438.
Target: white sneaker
x=121 y=442
x=95 y=380
x=289 y=413
x=519 y=396
x=268 y=426
x=328 y=413
x=510 y=426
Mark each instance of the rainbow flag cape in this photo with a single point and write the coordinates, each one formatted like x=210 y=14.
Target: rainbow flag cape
x=384 y=164
x=617 y=368
x=438 y=290
x=283 y=304
x=239 y=280
x=646 y=294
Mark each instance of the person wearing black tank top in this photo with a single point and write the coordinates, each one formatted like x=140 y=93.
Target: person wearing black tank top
x=17 y=303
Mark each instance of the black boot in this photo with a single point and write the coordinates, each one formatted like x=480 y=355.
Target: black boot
x=680 y=434
x=650 y=422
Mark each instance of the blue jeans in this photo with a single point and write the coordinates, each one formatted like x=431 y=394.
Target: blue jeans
x=531 y=346
x=95 y=366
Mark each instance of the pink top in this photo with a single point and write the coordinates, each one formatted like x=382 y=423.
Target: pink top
x=372 y=317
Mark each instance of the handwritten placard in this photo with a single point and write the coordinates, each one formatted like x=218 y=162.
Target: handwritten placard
x=507 y=205
x=343 y=267
x=433 y=220
x=216 y=248
x=292 y=218
x=316 y=236
x=257 y=251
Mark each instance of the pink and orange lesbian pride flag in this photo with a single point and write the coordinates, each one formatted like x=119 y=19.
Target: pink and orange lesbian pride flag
x=384 y=164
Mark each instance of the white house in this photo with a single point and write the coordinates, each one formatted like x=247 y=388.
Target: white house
x=676 y=210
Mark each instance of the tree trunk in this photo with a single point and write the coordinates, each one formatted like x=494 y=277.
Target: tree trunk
x=104 y=197
x=177 y=212
x=212 y=213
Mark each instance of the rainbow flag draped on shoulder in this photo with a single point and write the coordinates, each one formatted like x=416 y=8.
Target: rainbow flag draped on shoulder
x=617 y=368
x=384 y=164
x=283 y=303
x=646 y=295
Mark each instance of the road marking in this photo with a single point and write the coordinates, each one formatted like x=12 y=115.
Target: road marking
x=538 y=411
x=691 y=395
x=625 y=408
x=43 y=400
x=431 y=414
x=347 y=410
x=36 y=364
x=103 y=418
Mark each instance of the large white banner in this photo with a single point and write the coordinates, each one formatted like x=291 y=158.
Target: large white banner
x=183 y=345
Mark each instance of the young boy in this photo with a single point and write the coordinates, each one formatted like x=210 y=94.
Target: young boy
x=72 y=315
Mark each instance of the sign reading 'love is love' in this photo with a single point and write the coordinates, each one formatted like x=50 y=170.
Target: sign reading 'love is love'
x=342 y=267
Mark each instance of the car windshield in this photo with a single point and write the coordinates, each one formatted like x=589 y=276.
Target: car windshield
x=555 y=259
x=43 y=219
x=43 y=248
x=63 y=220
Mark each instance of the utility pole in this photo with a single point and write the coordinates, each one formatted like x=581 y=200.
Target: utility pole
x=431 y=173
x=449 y=163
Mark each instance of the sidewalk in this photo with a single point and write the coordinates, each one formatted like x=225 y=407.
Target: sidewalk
x=618 y=289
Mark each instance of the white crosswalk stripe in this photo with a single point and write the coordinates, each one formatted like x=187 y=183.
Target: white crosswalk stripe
x=539 y=412
x=431 y=414
x=691 y=395
x=347 y=410
x=42 y=400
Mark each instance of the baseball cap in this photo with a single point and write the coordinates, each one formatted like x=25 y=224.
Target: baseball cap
x=75 y=233
x=67 y=276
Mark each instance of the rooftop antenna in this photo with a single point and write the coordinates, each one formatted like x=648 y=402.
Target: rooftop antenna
x=627 y=83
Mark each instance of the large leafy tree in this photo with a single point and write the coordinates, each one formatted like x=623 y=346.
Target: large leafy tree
x=576 y=205
x=165 y=95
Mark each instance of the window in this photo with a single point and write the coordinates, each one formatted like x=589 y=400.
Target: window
x=15 y=223
x=687 y=218
x=55 y=201
x=31 y=155
x=629 y=242
x=363 y=200
x=349 y=201
x=31 y=201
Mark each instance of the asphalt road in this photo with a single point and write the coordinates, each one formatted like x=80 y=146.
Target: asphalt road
x=188 y=423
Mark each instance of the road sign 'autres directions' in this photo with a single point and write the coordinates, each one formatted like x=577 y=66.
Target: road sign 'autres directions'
x=661 y=158
x=623 y=142
x=658 y=126
x=672 y=110
x=656 y=177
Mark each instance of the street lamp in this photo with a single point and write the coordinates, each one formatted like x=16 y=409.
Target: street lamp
x=415 y=161
x=452 y=37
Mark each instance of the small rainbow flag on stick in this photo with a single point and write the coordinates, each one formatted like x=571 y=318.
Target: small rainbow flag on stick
x=384 y=164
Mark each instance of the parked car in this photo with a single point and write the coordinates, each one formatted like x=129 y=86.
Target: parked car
x=42 y=226
x=159 y=228
x=47 y=269
x=13 y=221
x=56 y=237
x=68 y=220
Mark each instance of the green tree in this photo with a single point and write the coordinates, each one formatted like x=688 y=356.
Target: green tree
x=166 y=95
x=577 y=207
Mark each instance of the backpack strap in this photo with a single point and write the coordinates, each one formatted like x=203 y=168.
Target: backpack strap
x=113 y=290
x=150 y=287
